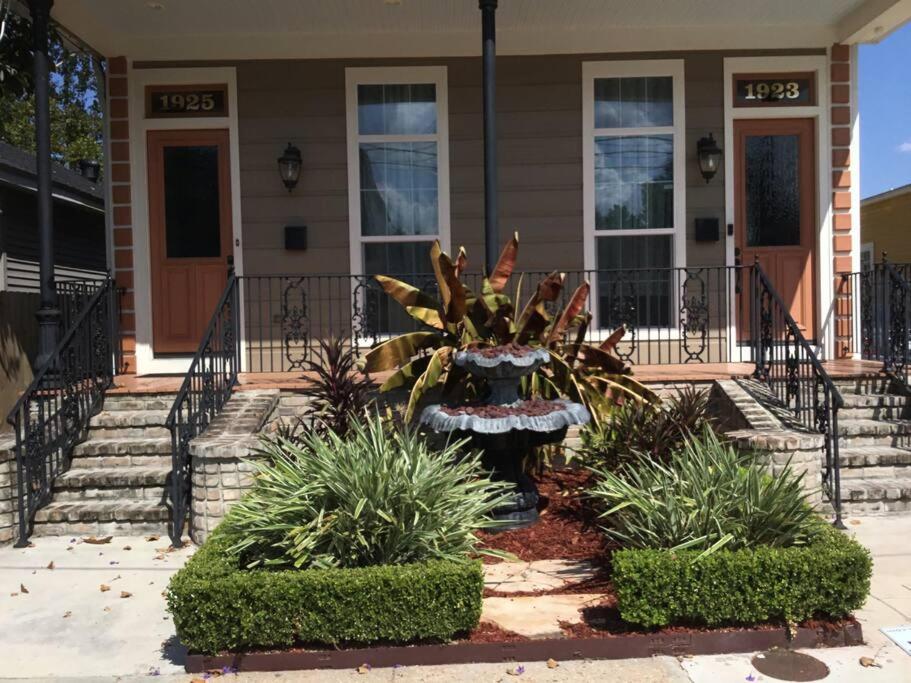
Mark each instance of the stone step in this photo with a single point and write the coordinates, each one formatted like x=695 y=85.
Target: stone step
x=101 y=517
x=873 y=406
x=876 y=495
x=129 y=423
x=873 y=384
x=874 y=458
x=869 y=432
x=112 y=483
x=122 y=452
x=154 y=402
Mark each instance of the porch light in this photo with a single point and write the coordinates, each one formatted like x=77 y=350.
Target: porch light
x=708 y=154
x=289 y=166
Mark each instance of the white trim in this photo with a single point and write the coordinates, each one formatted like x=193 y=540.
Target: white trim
x=146 y=362
x=866 y=248
x=825 y=334
x=854 y=106
x=355 y=76
x=625 y=69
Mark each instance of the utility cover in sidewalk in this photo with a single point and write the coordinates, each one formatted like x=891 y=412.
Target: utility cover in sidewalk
x=901 y=635
x=787 y=665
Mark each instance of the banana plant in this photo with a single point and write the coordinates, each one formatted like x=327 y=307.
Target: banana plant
x=462 y=319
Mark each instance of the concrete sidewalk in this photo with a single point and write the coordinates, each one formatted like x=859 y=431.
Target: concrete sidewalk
x=66 y=628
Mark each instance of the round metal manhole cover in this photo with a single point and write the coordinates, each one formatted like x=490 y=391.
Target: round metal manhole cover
x=787 y=665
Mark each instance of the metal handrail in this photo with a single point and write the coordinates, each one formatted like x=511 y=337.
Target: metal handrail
x=898 y=328
x=52 y=415
x=782 y=360
x=206 y=388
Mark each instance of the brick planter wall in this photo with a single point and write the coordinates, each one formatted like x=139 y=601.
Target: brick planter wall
x=9 y=517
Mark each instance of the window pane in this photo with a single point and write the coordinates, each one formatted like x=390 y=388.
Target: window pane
x=399 y=188
x=634 y=182
x=410 y=261
x=634 y=102
x=772 y=190
x=397 y=109
x=638 y=297
x=192 y=220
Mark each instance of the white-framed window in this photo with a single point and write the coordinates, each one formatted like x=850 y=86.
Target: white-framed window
x=634 y=186
x=866 y=256
x=398 y=167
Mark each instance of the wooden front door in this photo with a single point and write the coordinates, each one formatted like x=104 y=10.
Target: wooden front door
x=775 y=208
x=189 y=233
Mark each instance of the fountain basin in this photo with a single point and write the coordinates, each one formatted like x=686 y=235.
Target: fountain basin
x=504 y=365
x=566 y=413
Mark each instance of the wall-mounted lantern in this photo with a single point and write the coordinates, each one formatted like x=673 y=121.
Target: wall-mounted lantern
x=708 y=154
x=289 y=166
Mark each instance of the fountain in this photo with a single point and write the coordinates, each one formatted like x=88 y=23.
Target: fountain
x=505 y=427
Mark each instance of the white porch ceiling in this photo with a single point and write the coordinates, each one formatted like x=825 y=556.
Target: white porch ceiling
x=257 y=29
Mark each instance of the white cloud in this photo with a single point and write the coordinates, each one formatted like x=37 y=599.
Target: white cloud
x=905 y=147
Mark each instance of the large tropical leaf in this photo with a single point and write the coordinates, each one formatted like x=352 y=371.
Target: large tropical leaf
x=399 y=350
x=438 y=364
x=406 y=374
x=456 y=307
x=435 y=251
x=501 y=272
x=572 y=309
x=611 y=342
x=406 y=294
x=428 y=316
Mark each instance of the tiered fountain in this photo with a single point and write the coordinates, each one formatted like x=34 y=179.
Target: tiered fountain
x=505 y=427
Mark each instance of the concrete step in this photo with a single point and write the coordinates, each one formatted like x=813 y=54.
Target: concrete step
x=101 y=517
x=112 y=483
x=129 y=423
x=869 y=432
x=873 y=406
x=139 y=402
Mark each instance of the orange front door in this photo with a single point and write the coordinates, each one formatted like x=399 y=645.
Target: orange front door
x=189 y=233
x=775 y=208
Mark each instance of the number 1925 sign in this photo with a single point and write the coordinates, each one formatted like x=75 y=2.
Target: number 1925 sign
x=171 y=101
x=774 y=90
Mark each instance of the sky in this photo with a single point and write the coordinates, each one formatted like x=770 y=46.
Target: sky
x=885 y=113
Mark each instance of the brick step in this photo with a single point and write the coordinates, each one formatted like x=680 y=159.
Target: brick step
x=874 y=458
x=117 y=402
x=101 y=517
x=873 y=406
x=122 y=452
x=868 y=432
x=876 y=495
x=112 y=483
x=873 y=384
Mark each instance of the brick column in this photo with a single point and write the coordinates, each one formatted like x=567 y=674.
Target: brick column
x=842 y=118
x=119 y=136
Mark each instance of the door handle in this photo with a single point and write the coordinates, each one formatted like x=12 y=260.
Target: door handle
x=738 y=260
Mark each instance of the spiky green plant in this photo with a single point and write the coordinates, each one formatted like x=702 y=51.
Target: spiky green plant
x=706 y=497
x=377 y=496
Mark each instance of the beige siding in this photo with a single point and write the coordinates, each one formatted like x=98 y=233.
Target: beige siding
x=887 y=224
x=540 y=155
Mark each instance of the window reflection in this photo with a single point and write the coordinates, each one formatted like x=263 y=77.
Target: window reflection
x=634 y=182
x=634 y=102
x=397 y=109
x=399 y=188
x=772 y=190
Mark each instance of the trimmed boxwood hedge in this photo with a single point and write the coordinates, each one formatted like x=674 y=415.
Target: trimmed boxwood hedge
x=830 y=577
x=218 y=606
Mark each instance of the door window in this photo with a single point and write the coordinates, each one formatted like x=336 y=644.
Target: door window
x=772 y=190
x=191 y=200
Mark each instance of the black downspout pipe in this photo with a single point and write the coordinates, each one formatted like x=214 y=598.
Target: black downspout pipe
x=48 y=314
x=489 y=51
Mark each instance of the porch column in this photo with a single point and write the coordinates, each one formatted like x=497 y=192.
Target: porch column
x=48 y=315
x=489 y=51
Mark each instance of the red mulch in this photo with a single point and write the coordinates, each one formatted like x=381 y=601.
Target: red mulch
x=567 y=528
x=487 y=632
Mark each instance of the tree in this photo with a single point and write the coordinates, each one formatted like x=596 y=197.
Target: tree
x=76 y=116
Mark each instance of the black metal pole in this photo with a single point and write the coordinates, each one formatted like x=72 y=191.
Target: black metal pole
x=489 y=51
x=48 y=314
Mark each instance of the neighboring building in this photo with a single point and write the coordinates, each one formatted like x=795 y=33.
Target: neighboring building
x=79 y=250
x=885 y=226
x=601 y=106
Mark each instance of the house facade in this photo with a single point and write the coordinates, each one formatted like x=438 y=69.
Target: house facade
x=604 y=112
x=884 y=227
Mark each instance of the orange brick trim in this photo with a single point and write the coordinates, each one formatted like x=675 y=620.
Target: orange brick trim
x=841 y=136
x=841 y=179
x=121 y=198
x=841 y=158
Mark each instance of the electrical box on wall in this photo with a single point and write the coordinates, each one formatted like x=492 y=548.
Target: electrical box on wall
x=707 y=230
x=296 y=237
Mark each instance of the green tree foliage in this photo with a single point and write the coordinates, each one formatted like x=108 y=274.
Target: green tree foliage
x=76 y=115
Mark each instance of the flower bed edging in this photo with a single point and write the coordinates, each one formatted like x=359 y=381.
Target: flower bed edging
x=830 y=577
x=615 y=647
x=218 y=606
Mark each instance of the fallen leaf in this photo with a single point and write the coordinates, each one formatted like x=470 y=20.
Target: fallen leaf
x=158 y=557
x=125 y=594
x=363 y=669
x=50 y=564
x=868 y=662
x=97 y=540
x=66 y=615
x=127 y=547
x=69 y=547
x=107 y=609
x=104 y=588
x=516 y=670
x=23 y=589
x=552 y=664
x=152 y=538
x=854 y=522
x=13 y=595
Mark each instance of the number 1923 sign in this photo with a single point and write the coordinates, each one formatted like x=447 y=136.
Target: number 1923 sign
x=774 y=90
x=171 y=101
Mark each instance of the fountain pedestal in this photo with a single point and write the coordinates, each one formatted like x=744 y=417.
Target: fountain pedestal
x=506 y=428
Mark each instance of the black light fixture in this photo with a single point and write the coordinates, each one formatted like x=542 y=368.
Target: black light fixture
x=289 y=166
x=708 y=154
x=90 y=170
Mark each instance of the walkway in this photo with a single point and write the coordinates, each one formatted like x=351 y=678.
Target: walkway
x=95 y=612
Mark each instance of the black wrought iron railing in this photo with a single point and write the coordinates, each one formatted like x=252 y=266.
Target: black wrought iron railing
x=877 y=317
x=53 y=413
x=672 y=315
x=786 y=362
x=205 y=389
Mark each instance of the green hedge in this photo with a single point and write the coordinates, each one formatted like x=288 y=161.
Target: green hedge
x=218 y=606
x=830 y=577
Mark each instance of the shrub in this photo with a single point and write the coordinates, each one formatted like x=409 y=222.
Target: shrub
x=338 y=393
x=706 y=497
x=641 y=427
x=218 y=606
x=830 y=577
x=377 y=496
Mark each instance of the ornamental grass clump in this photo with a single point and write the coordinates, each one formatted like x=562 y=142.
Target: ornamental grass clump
x=706 y=496
x=378 y=496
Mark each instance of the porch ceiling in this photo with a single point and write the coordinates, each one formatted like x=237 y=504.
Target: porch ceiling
x=241 y=29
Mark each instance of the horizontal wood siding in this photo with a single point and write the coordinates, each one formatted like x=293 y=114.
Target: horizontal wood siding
x=539 y=101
